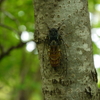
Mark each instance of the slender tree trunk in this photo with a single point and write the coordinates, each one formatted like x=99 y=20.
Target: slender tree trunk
x=75 y=78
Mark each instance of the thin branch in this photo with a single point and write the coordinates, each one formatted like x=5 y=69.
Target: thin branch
x=21 y=44
x=12 y=17
x=7 y=27
x=1 y=1
x=1 y=49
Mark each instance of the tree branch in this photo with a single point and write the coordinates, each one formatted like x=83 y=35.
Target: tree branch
x=1 y=1
x=9 y=28
x=12 y=17
x=21 y=44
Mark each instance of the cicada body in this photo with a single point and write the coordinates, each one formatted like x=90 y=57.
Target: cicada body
x=54 y=54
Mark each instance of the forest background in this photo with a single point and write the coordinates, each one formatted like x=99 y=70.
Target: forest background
x=20 y=77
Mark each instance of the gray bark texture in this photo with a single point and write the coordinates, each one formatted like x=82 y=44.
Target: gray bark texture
x=75 y=78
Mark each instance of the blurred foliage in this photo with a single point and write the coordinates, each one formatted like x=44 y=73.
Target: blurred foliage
x=98 y=71
x=96 y=50
x=91 y=4
x=19 y=69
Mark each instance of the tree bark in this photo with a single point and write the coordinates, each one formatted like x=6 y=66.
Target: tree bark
x=76 y=77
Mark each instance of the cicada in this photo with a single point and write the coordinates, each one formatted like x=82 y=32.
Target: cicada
x=54 y=42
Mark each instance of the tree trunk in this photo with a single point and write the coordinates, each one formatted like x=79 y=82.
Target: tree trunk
x=75 y=78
